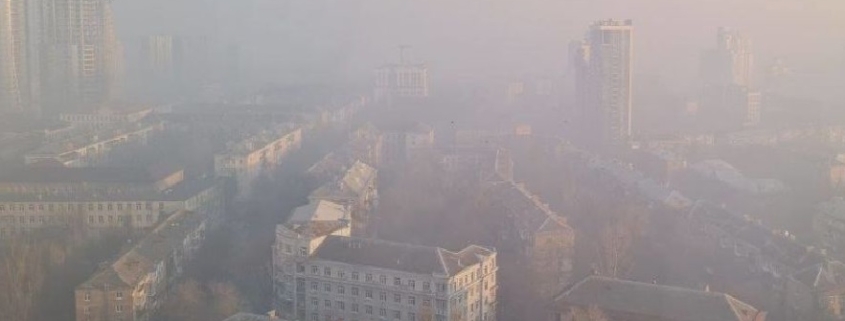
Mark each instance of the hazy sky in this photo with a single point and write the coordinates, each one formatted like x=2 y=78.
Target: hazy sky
x=484 y=39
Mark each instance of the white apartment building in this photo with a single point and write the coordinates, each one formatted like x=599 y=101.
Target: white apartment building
x=321 y=274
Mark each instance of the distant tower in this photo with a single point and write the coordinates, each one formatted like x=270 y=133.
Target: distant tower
x=730 y=63
x=83 y=58
x=603 y=66
x=19 y=45
x=726 y=74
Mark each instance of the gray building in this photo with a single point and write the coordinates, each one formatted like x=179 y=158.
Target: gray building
x=603 y=64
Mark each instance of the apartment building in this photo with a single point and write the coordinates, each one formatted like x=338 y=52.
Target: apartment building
x=322 y=274
x=246 y=160
x=134 y=286
x=357 y=191
x=92 y=209
x=91 y=148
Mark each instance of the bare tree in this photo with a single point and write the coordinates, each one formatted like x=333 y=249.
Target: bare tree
x=22 y=274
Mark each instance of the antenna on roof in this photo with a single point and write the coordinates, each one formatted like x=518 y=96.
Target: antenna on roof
x=402 y=49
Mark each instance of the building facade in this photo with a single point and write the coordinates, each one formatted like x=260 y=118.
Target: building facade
x=246 y=160
x=401 y=81
x=134 y=286
x=335 y=277
x=603 y=64
x=82 y=56
x=19 y=56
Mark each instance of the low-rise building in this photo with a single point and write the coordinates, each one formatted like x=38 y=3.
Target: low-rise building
x=405 y=141
x=134 y=286
x=365 y=145
x=22 y=213
x=93 y=148
x=322 y=274
x=357 y=191
x=620 y=300
x=248 y=159
x=540 y=236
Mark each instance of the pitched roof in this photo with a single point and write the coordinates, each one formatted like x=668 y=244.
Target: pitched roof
x=321 y=210
x=398 y=256
x=655 y=301
x=142 y=258
x=83 y=175
x=528 y=211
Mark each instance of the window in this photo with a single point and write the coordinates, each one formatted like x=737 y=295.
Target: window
x=382 y=312
x=314 y=286
x=369 y=277
x=99 y=207
x=90 y=220
x=426 y=302
x=368 y=309
x=441 y=287
x=87 y=296
x=341 y=289
x=427 y=286
x=412 y=316
x=412 y=284
x=382 y=296
x=341 y=305
x=118 y=295
x=355 y=291
x=119 y=207
x=341 y=274
x=397 y=298
x=90 y=207
x=354 y=307
x=300 y=284
x=300 y=268
x=314 y=301
x=303 y=251
x=368 y=294
x=412 y=300
x=397 y=281
x=327 y=271
x=315 y=270
x=382 y=279
x=31 y=207
x=2 y=208
x=327 y=287
x=397 y=314
x=138 y=206
x=118 y=308
x=355 y=276
x=327 y=303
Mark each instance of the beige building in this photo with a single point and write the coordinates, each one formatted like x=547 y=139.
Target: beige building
x=82 y=55
x=19 y=50
x=322 y=274
x=134 y=286
x=91 y=199
x=248 y=159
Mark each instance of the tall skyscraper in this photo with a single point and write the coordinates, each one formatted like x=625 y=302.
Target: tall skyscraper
x=726 y=74
x=603 y=65
x=730 y=63
x=19 y=45
x=83 y=58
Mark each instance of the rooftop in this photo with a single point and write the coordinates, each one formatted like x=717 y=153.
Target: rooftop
x=399 y=256
x=95 y=175
x=142 y=258
x=318 y=211
x=659 y=302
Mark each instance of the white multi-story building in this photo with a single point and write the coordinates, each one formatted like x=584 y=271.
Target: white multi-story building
x=321 y=274
x=403 y=80
x=248 y=159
